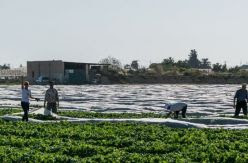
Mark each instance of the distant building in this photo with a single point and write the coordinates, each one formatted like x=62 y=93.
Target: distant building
x=63 y=72
x=14 y=73
x=244 y=67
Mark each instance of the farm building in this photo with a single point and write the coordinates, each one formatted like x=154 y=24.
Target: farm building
x=63 y=72
x=14 y=73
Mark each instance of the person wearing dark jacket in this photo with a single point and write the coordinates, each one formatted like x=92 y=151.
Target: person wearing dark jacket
x=240 y=100
x=51 y=98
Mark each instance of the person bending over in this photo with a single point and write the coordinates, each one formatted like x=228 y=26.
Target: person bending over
x=176 y=108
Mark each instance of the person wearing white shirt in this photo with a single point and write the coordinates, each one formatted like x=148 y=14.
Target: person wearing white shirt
x=176 y=108
x=26 y=94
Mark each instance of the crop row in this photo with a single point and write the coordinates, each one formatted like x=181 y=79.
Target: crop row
x=4 y=111
x=82 y=114
x=118 y=142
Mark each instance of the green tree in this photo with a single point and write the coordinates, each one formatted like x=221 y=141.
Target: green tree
x=135 y=65
x=5 y=66
x=168 y=61
x=217 y=67
x=112 y=61
x=182 y=64
x=224 y=68
x=234 y=69
x=193 y=59
x=205 y=63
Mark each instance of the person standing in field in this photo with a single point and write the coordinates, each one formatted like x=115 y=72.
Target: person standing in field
x=51 y=98
x=26 y=94
x=241 y=96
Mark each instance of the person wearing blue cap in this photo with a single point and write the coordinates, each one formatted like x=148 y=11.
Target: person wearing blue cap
x=176 y=108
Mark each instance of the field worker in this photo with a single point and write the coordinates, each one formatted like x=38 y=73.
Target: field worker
x=176 y=108
x=26 y=94
x=52 y=98
x=241 y=96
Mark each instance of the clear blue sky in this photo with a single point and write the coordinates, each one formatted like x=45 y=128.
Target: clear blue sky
x=144 y=30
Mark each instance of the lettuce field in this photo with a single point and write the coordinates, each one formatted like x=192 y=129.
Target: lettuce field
x=118 y=142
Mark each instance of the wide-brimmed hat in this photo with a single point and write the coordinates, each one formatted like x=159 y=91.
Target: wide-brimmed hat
x=26 y=83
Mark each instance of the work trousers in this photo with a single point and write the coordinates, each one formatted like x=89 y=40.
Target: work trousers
x=52 y=107
x=243 y=105
x=25 y=107
x=183 y=112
